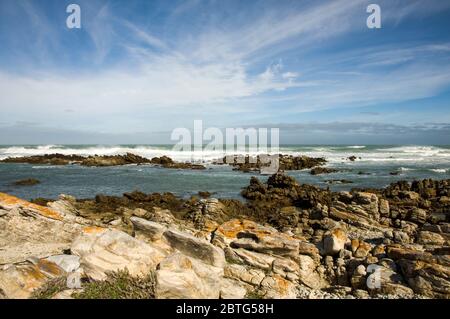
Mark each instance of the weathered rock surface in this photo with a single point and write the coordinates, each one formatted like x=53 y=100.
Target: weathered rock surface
x=260 y=163
x=18 y=281
x=195 y=247
x=30 y=230
x=100 y=161
x=180 y=276
x=334 y=242
x=287 y=241
x=103 y=250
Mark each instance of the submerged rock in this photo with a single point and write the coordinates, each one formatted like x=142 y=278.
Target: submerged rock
x=27 y=182
x=322 y=170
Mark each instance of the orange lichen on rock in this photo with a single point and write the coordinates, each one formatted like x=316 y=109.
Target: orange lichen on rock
x=94 y=230
x=49 y=268
x=231 y=228
x=9 y=201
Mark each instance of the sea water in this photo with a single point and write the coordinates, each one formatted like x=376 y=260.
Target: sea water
x=372 y=168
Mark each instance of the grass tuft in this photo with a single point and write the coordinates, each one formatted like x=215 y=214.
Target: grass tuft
x=119 y=285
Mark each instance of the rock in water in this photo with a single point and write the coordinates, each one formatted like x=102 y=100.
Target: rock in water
x=27 y=182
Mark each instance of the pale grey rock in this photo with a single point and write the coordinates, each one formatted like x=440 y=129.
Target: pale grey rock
x=67 y=262
x=254 y=259
x=250 y=276
x=334 y=242
x=148 y=228
x=30 y=230
x=276 y=287
x=232 y=289
x=18 y=281
x=103 y=250
x=195 y=247
x=180 y=276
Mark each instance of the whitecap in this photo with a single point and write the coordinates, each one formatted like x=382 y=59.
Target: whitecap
x=438 y=170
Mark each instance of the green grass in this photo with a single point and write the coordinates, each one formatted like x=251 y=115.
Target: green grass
x=254 y=294
x=119 y=285
x=50 y=288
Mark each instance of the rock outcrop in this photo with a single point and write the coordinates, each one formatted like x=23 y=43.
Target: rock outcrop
x=287 y=241
x=101 y=160
x=259 y=163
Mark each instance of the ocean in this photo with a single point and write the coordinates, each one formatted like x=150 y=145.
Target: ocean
x=373 y=168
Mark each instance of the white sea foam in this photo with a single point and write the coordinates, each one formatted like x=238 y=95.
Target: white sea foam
x=438 y=170
x=334 y=154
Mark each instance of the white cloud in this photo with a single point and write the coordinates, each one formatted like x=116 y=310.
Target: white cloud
x=216 y=67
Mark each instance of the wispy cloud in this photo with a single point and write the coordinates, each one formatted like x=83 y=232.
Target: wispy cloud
x=263 y=60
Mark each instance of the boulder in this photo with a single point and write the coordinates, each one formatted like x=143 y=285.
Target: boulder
x=387 y=282
x=244 y=274
x=254 y=259
x=195 y=247
x=232 y=289
x=430 y=238
x=252 y=236
x=18 y=281
x=334 y=241
x=307 y=272
x=154 y=231
x=30 y=230
x=102 y=250
x=276 y=287
x=180 y=276
x=68 y=263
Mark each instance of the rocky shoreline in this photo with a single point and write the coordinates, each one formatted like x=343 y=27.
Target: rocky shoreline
x=249 y=164
x=287 y=240
x=239 y=163
x=100 y=161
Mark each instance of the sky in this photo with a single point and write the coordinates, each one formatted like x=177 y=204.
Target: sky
x=136 y=70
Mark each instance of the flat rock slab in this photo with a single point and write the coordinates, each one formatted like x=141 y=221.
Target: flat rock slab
x=252 y=236
x=29 y=230
x=104 y=250
x=19 y=281
x=180 y=276
x=195 y=247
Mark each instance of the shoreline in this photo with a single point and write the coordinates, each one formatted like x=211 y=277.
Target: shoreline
x=311 y=241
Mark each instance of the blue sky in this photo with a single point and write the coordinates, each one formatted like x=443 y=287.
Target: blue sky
x=138 y=69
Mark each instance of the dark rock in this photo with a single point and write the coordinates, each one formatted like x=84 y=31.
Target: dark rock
x=338 y=181
x=27 y=182
x=286 y=162
x=48 y=159
x=322 y=170
x=204 y=194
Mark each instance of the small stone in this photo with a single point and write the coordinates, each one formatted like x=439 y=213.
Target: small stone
x=334 y=242
x=430 y=238
x=363 y=250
